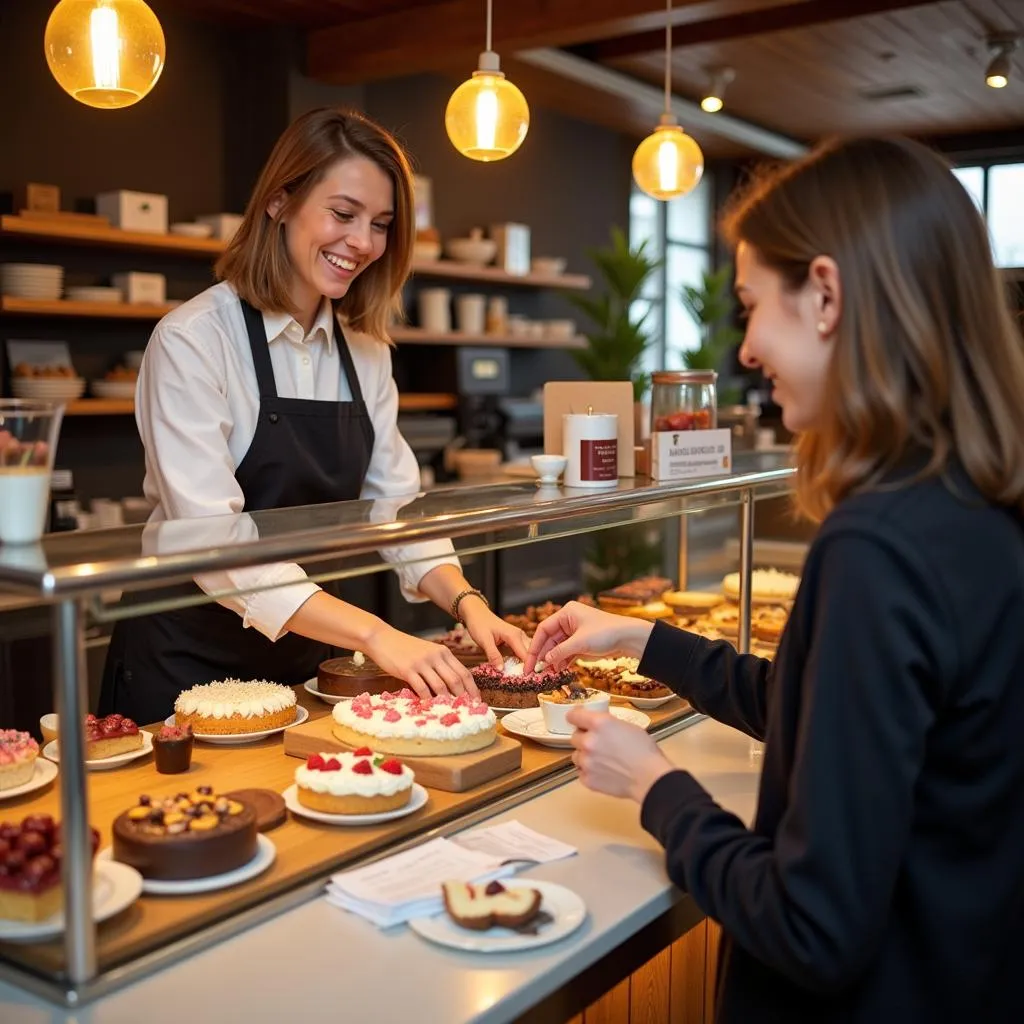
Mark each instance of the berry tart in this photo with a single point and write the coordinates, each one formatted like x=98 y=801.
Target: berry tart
x=349 y=677
x=410 y=726
x=509 y=687
x=189 y=835
x=30 y=856
x=357 y=782
x=480 y=906
x=18 y=753
x=233 y=707
x=110 y=736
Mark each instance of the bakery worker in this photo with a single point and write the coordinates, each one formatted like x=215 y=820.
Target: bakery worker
x=273 y=389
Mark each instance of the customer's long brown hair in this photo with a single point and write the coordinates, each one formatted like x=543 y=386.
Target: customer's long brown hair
x=926 y=354
x=256 y=261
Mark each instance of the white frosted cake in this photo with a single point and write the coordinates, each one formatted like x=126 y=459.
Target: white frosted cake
x=402 y=723
x=356 y=782
x=232 y=706
x=767 y=586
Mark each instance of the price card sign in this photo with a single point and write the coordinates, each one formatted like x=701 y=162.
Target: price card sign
x=690 y=454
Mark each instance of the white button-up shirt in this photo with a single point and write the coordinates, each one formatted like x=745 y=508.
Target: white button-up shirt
x=197 y=406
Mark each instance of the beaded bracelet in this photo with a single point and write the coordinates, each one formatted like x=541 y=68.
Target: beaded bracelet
x=472 y=592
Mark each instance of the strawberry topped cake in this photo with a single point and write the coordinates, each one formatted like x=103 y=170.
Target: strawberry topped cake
x=18 y=753
x=110 y=736
x=510 y=687
x=402 y=723
x=357 y=782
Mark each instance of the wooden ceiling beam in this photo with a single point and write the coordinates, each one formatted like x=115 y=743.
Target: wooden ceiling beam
x=447 y=32
x=792 y=15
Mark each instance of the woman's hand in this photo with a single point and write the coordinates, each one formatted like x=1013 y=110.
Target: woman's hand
x=427 y=667
x=615 y=757
x=488 y=631
x=577 y=630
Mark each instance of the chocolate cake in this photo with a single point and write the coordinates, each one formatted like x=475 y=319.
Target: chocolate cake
x=509 y=687
x=349 y=677
x=463 y=646
x=190 y=835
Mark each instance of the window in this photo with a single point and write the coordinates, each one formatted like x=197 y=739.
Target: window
x=998 y=189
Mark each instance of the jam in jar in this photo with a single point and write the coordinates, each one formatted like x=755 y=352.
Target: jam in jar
x=684 y=400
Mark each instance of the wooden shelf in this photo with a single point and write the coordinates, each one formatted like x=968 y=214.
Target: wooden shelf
x=417 y=336
x=14 y=306
x=126 y=406
x=427 y=402
x=70 y=232
x=495 y=275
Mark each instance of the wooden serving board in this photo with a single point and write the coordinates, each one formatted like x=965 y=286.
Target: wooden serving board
x=454 y=774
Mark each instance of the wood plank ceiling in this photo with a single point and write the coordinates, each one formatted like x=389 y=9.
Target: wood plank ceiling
x=803 y=68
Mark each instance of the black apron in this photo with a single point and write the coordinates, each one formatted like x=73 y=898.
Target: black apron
x=304 y=452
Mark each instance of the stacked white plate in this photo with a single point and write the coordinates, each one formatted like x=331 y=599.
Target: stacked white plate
x=113 y=388
x=55 y=389
x=31 y=280
x=95 y=294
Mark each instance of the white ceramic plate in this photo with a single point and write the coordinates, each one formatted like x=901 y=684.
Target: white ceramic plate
x=568 y=910
x=266 y=853
x=529 y=723
x=310 y=686
x=43 y=773
x=646 y=703
x=115 y=887
x=53 y=753
x=416 y=801
x=234 y=739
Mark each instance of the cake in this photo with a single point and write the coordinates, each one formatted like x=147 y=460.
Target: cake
x=30 y=856
x=407 y=725
x=637 y=592
x=652 y=611
x=463 y=646
x=619 y=676
x=189 y=835
x=231 y=706
x=533 y=616
x=18 y=753
x=172 y=750
x=350 y=676
x=691 y=602
x=767 y=586
x=510 y=687
x=110 y=736
x=767 y=623
x=483 y=905
x=357 y=782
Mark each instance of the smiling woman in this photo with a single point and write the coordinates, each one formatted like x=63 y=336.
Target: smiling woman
x=273 y=389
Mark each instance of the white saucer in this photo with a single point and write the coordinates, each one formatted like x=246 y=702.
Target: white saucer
x=310 y=686
x=416 y=801
x=568 y=910
x=52 y=752
x=235 y=738
x=529 y=723
x=646 y=703
x=114 y=888
x=44 y=772
x=266 y=853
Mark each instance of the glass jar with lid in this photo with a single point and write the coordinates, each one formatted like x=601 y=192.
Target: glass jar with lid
x=684 y=400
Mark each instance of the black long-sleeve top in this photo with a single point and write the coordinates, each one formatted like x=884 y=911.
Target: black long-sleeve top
x=883 y=878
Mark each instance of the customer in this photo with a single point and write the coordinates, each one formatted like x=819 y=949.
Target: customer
x=883 y=877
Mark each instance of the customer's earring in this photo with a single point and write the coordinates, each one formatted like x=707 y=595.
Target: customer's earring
x=822 y=327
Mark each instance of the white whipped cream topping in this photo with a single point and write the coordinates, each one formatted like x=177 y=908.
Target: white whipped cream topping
x=514 y=667
x=632 y=677
x=234 y=697
x=610 y=664
x=348 y=783
x=358 y=659
x=406 y=727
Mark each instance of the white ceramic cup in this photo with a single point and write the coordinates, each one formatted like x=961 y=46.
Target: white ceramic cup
x=549 y=467
x=555 y=715
x=435 y=310
x=471 y=314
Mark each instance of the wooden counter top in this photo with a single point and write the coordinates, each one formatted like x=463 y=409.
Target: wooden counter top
x=306 y=850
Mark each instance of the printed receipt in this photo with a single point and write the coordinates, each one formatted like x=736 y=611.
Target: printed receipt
x=514 y=841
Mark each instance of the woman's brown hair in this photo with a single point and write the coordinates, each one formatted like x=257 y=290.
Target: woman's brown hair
x=256 y=261
x=926 y=356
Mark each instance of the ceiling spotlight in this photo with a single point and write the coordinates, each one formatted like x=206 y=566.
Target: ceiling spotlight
x=714 y=98
x=997 y=74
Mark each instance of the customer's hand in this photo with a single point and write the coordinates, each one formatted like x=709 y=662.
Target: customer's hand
x=615 y=757
x=488 y=631
x=427 y=667
x=577 y=630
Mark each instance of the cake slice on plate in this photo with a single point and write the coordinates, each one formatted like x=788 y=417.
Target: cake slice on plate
x=480 y=906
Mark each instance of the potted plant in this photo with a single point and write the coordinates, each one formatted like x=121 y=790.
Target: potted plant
x=711 y=306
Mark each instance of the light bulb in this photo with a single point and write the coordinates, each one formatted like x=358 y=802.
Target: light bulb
x=711 y=104
x=487 y=116
x=668 y=163
x=997 y=81
x=104 y=53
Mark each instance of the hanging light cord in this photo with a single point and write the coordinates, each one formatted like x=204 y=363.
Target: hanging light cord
x=668 y=54
x=488 y=26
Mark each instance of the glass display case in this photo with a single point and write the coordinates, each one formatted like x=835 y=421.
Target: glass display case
x=84 y=577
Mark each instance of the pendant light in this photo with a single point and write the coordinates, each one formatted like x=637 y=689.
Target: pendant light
x=104 y=53
x=668 y=163
x=487 y=116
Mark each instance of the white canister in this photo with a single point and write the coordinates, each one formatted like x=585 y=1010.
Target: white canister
x=470 y=313
x=590 y=443
x=435 y=310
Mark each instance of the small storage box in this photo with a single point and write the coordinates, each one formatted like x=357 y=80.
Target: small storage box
x=138 y=287
x=224 y=224
x=134 y=211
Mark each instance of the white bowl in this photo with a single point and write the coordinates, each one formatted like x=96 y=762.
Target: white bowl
x=472 y=250
x=549 y=467
x=548 y=265
x=192 y=230
x=48 y=727
x=555 y=715
x=560 y=330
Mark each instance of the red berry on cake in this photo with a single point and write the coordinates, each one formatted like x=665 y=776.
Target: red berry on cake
x=450 y=719
x=392 y=765
x=480 y=907
x=363 y=752
x=332 y=764
x=362 y=768
x=315 y=763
